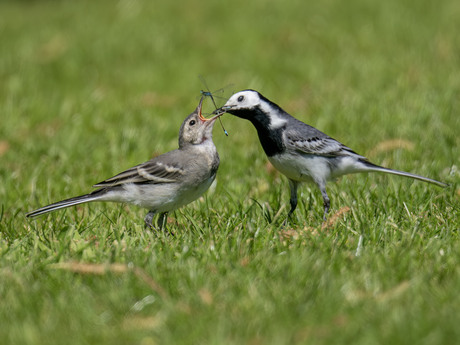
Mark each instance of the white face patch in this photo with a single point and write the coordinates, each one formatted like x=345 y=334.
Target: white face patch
x=243 y=100
x=249 y=100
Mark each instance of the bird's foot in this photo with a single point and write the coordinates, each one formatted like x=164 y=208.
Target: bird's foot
x=160 y=224
x=283 y=224
x=288 y=218
x=148 y=220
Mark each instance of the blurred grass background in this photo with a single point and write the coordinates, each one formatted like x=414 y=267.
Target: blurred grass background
x=89 y=89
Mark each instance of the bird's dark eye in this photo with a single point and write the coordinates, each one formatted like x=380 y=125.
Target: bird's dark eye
x=240 y=99
x=191 y=123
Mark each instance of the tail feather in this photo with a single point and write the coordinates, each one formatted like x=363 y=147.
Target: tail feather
x=64 y=203
x=372 y=167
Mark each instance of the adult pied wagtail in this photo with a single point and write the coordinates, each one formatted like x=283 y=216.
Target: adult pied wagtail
x=299 y=151
x=163 y=183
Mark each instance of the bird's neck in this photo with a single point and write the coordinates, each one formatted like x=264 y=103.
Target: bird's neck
x=209 y=151
x=270 y=133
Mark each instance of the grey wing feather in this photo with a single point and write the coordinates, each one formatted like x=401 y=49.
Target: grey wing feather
x=309 y=140
x=162 y=169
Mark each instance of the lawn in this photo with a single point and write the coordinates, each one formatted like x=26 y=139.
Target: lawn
x=89 y=89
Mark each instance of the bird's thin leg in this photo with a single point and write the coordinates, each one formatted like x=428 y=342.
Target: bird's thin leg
x=161 y=223
x=149 y=219
x=326 y=201
x=293 y=201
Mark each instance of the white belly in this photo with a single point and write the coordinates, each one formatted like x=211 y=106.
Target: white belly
x=304 y=167
x=163 y=197
x=299 y=167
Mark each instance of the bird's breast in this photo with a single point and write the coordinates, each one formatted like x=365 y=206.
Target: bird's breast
x=301 y=167
x=271 y=141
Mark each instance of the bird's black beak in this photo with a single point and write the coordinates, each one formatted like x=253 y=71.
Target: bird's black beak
x=218 y=111
x=222 y=110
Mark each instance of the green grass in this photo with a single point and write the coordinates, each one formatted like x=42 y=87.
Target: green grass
x=91 y=88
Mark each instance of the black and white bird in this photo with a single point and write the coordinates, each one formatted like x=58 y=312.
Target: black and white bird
x=166 y=182
x=299 y=151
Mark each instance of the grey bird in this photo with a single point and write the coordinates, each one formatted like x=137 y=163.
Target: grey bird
x=299 y=151
x=164 y=183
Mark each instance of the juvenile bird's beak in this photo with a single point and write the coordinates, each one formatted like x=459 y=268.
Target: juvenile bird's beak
x=200 y=114
x=199 y=110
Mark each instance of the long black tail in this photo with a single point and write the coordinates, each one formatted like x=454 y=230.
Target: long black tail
x=372 y=167
x=65 y=203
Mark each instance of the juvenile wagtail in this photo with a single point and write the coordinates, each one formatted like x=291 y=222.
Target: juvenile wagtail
x=163 y=183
